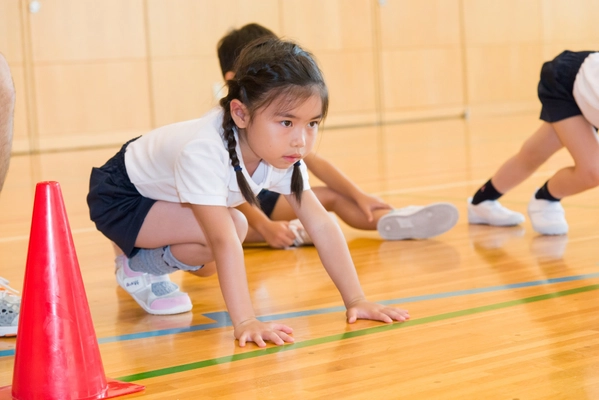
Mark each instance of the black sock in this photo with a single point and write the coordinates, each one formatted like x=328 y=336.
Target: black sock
x=543 y=193
x=486 y=192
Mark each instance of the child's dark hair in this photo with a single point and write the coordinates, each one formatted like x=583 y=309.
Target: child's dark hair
x=269 y=70
x=230 y=46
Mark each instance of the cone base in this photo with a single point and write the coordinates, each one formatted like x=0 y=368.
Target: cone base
x=115 y=389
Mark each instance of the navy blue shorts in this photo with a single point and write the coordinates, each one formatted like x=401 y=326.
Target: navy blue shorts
x=556 y=86
x=267 y=201
x=115 y=205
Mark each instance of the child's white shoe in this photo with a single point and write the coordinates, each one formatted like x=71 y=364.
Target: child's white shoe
x=10 y=307
x=154 y=293
x=547 y=217
x=491 y=212
x=418 y=222
x=301 y=236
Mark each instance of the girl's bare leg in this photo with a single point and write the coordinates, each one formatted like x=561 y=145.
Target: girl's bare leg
x=579 y=137
x=534 y=152
x=345 y=208
x=176 y=225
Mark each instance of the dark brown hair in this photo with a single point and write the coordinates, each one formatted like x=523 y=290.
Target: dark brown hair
x=232 y=43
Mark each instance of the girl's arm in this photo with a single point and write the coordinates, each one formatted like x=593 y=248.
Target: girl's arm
x=223 y=239
x=334 y=254
x=340 y=183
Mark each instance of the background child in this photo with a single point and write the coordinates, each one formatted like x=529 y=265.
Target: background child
x=167 y=198
x=270 y=221
x=10 y=303
x=569 y=94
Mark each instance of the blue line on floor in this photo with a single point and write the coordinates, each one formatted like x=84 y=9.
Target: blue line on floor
x=221 y=318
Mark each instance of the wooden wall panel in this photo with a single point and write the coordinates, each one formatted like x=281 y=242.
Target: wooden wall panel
x=422 y=78
x=422 y=23
x=85 y=62
x=421 y=66
x=504 y=74
x=340 y=34
x=11 y=46
x=183 y=88
x=504 y=54
x=502 y=22
x=352 y=88
x=193 y=27
x=91 y=104
x=11 y=42
x=571 y=21
x=183 y=36
x=83 y=30
x=570 y=25
x=328 y=25
x=91 y=79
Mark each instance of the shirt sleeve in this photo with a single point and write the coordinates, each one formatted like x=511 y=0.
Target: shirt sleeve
x=586 y=89
x=202 y=173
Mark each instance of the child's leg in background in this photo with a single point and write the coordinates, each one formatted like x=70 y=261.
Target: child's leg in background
x=534 y=152
x=414 y=222
x=579 y=137
x=484 y=208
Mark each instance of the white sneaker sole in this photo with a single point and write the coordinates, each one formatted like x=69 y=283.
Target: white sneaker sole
x=551 y=230
x=7 y=331
x=432 y=220
x=476 y=220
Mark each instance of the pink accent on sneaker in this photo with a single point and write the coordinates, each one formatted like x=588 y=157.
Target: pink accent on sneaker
x=139 y=286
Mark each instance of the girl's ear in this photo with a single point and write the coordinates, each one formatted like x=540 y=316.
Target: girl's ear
x=239 y=113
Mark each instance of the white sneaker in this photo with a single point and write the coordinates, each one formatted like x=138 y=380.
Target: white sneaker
x=301 y=236
x=418 y=222
x=10 y=307
x=148 y=292
x=490 y=212
x=547 y=217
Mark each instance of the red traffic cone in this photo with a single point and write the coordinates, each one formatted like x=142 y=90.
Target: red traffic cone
x=57 y=354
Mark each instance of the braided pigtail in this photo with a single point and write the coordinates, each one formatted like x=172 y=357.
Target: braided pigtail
x=297 y=182
x=229 y=135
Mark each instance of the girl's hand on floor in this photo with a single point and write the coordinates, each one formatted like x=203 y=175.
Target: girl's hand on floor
x=253 y=330
x=377 y=312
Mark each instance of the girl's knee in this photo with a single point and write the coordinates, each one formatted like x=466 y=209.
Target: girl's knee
x=207 y=270
x=589 y=176
x=241 y=223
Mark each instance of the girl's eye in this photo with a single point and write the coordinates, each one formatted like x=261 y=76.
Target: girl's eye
x=286 y=123
x=313 y=124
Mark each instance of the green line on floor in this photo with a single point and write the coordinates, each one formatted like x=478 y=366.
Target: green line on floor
x=350 y=335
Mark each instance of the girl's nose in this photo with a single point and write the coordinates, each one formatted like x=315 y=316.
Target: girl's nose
x=299 y=139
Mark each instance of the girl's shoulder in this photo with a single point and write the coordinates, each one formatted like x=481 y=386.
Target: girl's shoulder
x=208 y=125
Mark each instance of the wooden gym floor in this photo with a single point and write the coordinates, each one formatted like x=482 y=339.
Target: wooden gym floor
x=497 y=313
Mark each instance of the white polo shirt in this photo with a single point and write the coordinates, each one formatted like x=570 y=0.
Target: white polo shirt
x=188 y=162
x=586 y=89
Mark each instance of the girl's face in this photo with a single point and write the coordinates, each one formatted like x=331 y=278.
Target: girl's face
x=280 y=136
